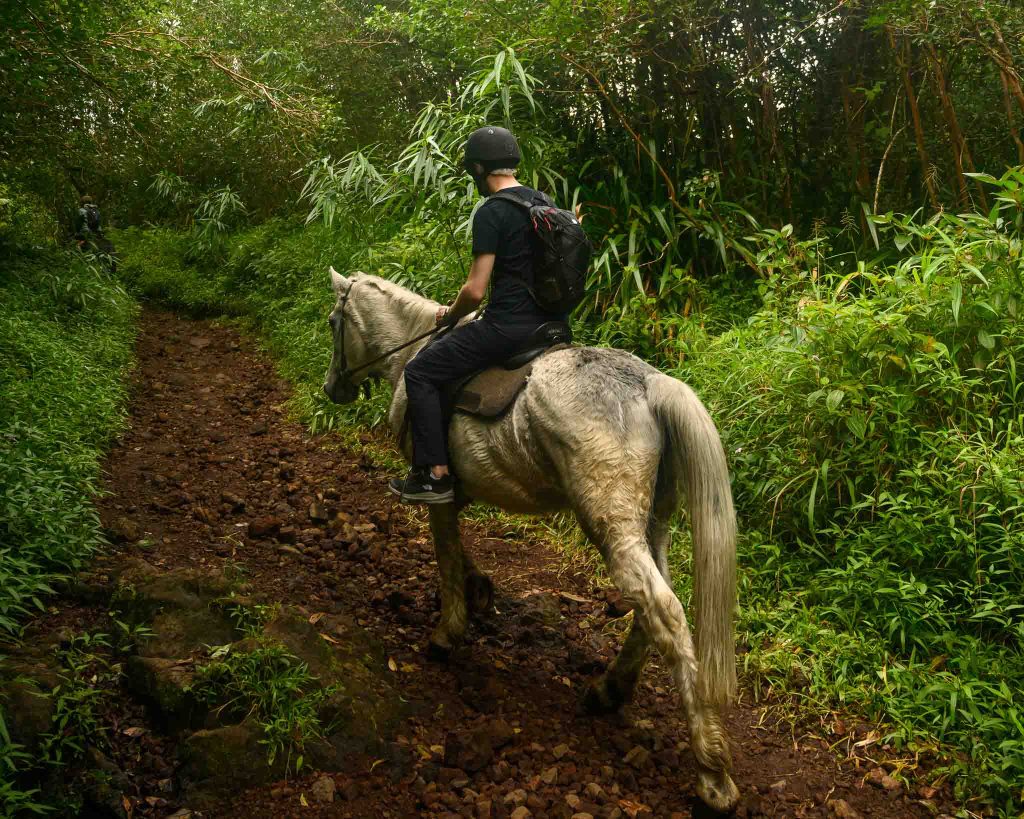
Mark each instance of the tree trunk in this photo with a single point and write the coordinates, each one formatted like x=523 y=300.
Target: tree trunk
x=915 y=116
x=1014 y=131
x=853 y=113
x=961 y=152
x=1006 y=64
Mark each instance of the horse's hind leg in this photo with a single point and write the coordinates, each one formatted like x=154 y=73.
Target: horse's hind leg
x=636 y=572
x=615 y=687
x=452 y=566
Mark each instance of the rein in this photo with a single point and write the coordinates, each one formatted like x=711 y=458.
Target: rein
x=346 y=371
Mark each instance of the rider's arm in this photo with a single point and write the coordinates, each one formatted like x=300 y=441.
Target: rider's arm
x=475 y=288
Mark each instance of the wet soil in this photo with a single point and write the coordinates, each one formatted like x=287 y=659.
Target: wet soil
x=214 y=474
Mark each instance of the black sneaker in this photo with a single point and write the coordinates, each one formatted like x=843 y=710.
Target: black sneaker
x=421 y=487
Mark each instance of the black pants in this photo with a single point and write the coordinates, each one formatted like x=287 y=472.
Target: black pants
x=456 y=354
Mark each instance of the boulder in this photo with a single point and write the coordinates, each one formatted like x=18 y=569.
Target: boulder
x=165 y=688
x=178 y=605
x=216 y=764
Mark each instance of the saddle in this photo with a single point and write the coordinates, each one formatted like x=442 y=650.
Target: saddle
x=489 y=393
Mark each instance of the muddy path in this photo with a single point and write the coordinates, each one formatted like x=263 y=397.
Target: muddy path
x=213 y=473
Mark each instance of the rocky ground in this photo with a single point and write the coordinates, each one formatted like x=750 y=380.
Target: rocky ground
x=221 y=504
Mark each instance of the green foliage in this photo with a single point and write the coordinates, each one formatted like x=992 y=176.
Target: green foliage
x=24 y=221
x=66 y=335
x=872 y=416
x=15 y=799
x=271 y=686
x=79 y=698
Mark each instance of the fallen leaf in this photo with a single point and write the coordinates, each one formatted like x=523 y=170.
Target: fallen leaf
x=409 y=668
x=329 y=639
x=302 y=800
x=317 y=617
x=392 y=664
x=134 y=731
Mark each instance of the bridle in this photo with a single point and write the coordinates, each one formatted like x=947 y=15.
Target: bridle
x=347 y=372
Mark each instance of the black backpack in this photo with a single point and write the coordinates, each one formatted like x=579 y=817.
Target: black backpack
x=92 y=218
x=561 y=253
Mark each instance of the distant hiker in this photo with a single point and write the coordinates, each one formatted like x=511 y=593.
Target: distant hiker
x=88 y=231
x=505 y=248
x=87 y=222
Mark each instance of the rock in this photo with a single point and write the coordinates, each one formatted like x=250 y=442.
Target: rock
x=473 y=750
x=550 y=776
x=235 y=502
x=125 y=530
x=572 y=800
x=522 y=812
x=288 y=534
x=638 y=757
x=617 y=606
x=595 y=792
x=215 y=764
x=318 y=513
x=483 y=809
x=582 y=816
x=165 y=686
x=199 y=342
x=28 y=706
x=515 y=797
x=265 y=527
x=323 y=790
x=842 y=809
x=541 y=610
x=104 y=792
x=881 y=780
x=560 y=750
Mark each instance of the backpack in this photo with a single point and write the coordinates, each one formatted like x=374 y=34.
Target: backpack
x=92 y=218
x=561 y=254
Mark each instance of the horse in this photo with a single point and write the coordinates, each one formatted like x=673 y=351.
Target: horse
x=602 y=433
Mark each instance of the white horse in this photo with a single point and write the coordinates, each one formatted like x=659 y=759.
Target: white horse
x=602 y=433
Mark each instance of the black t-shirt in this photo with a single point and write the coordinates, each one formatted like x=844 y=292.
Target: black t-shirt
x=503 y=228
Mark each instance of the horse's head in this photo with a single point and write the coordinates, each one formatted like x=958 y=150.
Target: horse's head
x=342 y=385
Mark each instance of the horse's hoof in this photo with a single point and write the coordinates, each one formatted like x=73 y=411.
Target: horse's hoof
x=479 y=593
x=599 y=698
x=717 y=790
x=438 y=653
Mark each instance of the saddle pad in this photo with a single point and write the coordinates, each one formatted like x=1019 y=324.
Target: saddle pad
x=491 y=392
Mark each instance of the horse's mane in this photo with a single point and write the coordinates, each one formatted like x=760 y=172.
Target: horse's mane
x=406 y=298
x=406 y=309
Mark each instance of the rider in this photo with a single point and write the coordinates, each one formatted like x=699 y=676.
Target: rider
x=503 y=257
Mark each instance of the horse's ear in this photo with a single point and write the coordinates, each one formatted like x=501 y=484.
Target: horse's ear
x=338 y=282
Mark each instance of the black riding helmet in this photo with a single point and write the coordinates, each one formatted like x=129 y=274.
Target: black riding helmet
x=488 y=149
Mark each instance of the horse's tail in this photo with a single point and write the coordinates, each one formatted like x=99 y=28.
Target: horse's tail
x=694 y=454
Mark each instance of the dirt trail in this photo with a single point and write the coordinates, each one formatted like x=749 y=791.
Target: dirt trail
x=211 y=461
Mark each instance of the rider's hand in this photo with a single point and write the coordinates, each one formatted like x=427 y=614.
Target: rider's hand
x=442 y=316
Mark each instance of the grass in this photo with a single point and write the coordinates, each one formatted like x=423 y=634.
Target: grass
x=272 y=686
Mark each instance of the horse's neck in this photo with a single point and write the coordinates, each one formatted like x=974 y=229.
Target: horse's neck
x=395 y=320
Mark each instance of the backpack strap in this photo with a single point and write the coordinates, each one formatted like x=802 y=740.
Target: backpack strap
x=516 y=199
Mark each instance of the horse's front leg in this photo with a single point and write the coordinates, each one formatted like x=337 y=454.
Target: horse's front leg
x=452 y=565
